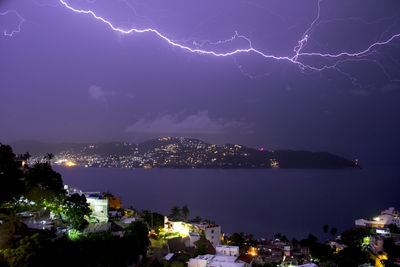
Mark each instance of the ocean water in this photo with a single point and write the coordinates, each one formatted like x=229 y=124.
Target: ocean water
x=261 y=202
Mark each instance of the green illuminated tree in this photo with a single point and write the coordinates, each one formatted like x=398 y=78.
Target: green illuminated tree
x=8 y=228
x=26 y=254
x=75 y=210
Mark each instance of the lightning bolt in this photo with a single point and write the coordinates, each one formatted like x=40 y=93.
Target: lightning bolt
x=21 y=21
x=295 y=59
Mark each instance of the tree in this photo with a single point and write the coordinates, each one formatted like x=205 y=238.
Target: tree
x=185 y=212
x=351 y=256
x=394 y=229
x=392 y=251
x=237 y=239
x=137 y=237
x=175 y=213
x=333 y=231
x=11 y=177
x=43 y=176
x=42 y=183
x=325 y=228
x=75 y=210
x=154 y=220
x=196 y=219
x=202 y=244
x=295 y=242
x=26 y=254
x=278 y=236
x=8 y=229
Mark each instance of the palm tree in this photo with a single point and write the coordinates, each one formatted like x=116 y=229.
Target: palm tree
x=185 y=212
x=175 y=213
x=325 y=228
x=333 y=231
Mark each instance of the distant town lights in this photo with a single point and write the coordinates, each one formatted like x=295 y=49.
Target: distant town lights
x=70 y=163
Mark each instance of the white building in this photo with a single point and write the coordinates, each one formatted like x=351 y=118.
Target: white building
x=214 y=261
x=227 y=250
x=99 y=207
x=193 y=237
x=212 y=232
x=387 y=217
x=180 y=227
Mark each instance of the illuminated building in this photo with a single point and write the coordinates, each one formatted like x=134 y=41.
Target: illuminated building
x=387 y=217
x=182 y=228
x=227 y=250
x=212 y=232
x=274 y=163
x=214 y=260
x=98 y=205
x=113 y=202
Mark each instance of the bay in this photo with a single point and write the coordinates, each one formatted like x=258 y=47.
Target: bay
x=262 y=202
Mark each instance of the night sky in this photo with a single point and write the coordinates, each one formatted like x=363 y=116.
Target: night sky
x=67 y=77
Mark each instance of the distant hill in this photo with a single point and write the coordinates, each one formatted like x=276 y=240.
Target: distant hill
x=37 y=148
x=178 y=152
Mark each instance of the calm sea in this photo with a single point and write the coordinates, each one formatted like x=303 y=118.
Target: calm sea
x=261 y=202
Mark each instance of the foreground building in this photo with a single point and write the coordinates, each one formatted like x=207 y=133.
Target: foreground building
x=209 y=260
x=211 y=231
x=99 y=206
x=227 y=250
x=387 y=217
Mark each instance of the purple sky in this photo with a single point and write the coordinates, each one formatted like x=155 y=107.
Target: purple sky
x=66 y=77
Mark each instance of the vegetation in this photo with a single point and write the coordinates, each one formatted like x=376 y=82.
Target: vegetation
x=154 y=220
x=75 y=210
x=175 y=213
x=40 y=189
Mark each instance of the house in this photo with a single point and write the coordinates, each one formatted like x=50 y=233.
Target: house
x=246 y=259
x=387 y=217
x=209 y=260
x=182 y=228
x=193 y=237
x=227 y=250
x=99 y=206
x=114 y=202
x=211 y=231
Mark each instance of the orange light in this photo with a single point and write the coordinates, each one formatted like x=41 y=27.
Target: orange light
x=252 y=251
x=70 y=163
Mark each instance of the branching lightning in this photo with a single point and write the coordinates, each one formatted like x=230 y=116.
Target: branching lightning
x=11 y=33
x=295 y=58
